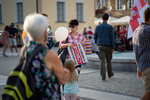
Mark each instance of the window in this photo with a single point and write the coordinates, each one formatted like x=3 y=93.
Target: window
x=119 y=4
x=60 y=11
x=130 y=4
x=20 y=12
x=79 y=11
x=103 y=3
x=97 y=4
x=0 y=13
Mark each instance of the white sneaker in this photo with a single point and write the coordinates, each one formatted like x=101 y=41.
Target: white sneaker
x=11 y=54
x=18 y=54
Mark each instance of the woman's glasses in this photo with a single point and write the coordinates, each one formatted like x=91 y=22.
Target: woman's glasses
x=71 y=26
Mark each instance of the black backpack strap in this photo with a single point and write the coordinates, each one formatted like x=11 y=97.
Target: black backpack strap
x=34 y=52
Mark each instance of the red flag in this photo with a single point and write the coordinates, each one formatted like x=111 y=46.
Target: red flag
x=134 y=18
x=136 y=15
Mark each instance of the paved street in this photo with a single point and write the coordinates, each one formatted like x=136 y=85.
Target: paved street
x=123 y=86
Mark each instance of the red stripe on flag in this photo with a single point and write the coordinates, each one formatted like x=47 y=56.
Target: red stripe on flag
x=134 y=18
x=77 y=54
x=143 y=3
x=134 y=24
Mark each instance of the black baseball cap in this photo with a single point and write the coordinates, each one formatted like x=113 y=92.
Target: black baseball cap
x=12 y=24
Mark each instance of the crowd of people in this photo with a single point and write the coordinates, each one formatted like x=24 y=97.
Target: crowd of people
x=122 y=42
x=16 y=37
x=10 y=37
x=46 y=67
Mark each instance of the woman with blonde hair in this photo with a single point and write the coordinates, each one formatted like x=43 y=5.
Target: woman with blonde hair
x=25 y=37
x=71 y=88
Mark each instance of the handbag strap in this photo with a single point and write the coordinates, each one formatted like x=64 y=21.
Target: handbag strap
x=66 y=40
x=60 y=50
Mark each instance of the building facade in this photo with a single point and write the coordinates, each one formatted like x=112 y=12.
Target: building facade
x=116 y=8
x=59 y=12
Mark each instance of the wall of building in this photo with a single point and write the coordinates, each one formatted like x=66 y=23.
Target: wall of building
x=49 y=7
x=89 y=13
x=8 y=11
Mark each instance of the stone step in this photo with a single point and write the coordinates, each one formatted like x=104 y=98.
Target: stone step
x=124 y=61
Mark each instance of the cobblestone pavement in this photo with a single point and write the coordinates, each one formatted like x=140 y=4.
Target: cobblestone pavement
x=123 y=83
x=126 y=83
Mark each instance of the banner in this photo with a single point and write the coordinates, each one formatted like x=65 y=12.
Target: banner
x=136 y=15
x=77 y=54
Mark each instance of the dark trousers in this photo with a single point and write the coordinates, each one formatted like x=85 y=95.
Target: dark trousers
x=105 y=52
x=50 y=41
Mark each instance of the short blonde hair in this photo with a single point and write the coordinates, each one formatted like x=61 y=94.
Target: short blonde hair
x=35 y=25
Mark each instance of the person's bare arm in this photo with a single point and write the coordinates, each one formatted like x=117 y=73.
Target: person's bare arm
x=17 y=34
x=78 y=69
x=139 y=74
x=53 y=63
x=83 y=44
x=66 y=45
x=112 y=50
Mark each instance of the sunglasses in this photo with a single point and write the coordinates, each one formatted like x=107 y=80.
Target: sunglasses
x=71 y=26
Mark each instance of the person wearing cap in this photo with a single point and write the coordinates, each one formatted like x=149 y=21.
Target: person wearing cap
x=50 y=37
x=12 y=38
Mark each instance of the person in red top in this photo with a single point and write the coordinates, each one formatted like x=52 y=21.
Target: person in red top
x=124 y=29
x=122 y=33
x=90 y=32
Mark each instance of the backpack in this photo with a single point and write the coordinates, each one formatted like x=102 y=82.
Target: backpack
x=20 y=84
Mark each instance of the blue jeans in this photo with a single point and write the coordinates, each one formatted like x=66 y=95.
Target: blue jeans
x=50 y=43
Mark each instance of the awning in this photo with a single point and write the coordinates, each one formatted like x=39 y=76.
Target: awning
x=121 y=21
x=97 y=20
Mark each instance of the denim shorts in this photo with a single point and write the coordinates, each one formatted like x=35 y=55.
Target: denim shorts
x=12 y=42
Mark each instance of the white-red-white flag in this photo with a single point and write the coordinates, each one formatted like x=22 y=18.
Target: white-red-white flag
x=136 y=15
